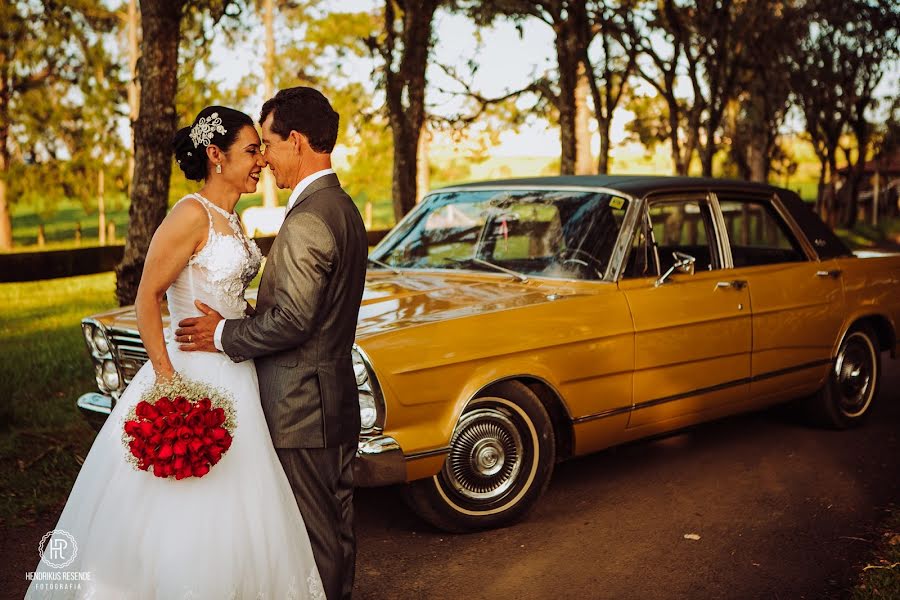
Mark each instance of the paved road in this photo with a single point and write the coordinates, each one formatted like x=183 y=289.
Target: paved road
x=782 y=511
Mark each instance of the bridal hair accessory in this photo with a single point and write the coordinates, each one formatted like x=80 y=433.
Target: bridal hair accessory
x=180 y=428
x=202 y=132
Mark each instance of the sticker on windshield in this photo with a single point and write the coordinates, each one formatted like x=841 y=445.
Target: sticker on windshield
x=616 y=203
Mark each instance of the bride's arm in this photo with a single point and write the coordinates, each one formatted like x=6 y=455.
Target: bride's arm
x=181 y=234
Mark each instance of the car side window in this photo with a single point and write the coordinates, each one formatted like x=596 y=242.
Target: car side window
x=668 y=226
x=758 y=235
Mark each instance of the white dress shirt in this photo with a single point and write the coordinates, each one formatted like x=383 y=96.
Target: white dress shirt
x=298 y=189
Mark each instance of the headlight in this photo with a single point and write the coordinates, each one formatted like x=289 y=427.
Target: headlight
x=110 y=375
x=368 y=413
x=100 y=341
x=359 y=368
x=88 y=331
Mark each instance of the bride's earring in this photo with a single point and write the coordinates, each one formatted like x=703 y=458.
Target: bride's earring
x=219 y=168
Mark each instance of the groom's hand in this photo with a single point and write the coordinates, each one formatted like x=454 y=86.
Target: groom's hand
x=197 y=333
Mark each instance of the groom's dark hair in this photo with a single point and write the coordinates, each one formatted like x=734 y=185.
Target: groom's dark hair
x=305 y=110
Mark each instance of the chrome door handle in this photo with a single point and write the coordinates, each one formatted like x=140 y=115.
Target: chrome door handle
x=833 y=273
x=737 y=284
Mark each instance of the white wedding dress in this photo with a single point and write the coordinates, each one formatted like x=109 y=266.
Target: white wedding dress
x=235 y=533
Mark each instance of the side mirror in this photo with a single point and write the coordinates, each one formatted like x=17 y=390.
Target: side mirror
x=684 y=263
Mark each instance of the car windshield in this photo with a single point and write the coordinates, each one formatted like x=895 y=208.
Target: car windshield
x=547 y=233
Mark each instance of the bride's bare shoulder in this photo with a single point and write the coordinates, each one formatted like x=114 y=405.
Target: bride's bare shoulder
x=187 y=213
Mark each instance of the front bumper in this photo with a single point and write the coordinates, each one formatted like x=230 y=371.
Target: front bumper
x=379 y=459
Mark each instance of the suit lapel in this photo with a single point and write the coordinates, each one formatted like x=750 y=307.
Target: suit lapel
x=326 y=181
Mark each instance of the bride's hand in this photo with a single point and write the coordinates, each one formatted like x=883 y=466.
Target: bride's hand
x=166 y=376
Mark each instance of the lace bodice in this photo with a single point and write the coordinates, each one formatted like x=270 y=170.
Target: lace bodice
x=217 y=275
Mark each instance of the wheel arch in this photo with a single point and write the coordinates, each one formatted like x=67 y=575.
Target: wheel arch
x=880 y=324
x=553 y=403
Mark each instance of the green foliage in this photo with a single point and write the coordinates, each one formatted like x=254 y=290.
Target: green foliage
x=65 y=88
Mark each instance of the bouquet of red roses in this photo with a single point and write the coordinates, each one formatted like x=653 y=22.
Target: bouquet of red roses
x=180 y=428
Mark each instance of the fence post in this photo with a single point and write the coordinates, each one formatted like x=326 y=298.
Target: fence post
x=368 y=218
x=111 y=233
x=41 y=239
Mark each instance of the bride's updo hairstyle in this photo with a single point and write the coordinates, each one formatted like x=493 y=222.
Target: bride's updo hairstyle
x=217 y=125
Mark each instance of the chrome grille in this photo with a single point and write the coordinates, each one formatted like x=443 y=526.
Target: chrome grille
x=129 y=351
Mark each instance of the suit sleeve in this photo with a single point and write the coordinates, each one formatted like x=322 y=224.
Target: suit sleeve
x=305 y=261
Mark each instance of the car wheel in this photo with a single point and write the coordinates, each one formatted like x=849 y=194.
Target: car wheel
x=501 y=457
x=846 y=398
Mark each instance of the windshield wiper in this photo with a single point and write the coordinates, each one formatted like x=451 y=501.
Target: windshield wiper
x=481 y=261
x=383 y=265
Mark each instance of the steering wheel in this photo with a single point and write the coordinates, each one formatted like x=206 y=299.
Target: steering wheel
x=580 y=257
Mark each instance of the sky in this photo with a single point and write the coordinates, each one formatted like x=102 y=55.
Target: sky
x=507 y=61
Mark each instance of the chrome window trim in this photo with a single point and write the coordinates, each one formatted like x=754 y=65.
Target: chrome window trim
x=775 y=202
x=721 y=230
x=669 y=196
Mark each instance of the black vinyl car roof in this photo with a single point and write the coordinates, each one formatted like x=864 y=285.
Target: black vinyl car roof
x=826 y=243
x=632 y=185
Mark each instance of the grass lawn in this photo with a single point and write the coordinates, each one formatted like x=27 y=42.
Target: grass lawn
x=881 y=577
x=44 y=367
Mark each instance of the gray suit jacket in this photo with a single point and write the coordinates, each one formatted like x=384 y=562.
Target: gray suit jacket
x=305 y=322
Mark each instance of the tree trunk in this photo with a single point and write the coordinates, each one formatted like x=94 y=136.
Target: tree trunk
x=423 y=165
x=405 y=91
x=758 y=159
x=706 y=159
x=603 y=161
x=6 y=240
x=156 y=122
x=568 y=61
x=101 y=208
x=584 y=164
x=820 y=190
x=134 y=90
x=406 y=142
x=270 y=194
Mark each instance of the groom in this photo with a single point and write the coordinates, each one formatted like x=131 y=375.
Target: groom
x=304 y=327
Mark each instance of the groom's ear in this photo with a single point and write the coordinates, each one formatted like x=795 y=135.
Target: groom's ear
x=299 y=140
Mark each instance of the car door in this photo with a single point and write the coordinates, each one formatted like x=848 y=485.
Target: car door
x=797 y=301
x=692 y=332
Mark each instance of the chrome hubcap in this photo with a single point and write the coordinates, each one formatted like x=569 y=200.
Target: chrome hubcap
x=854 y=371
x=485 y=455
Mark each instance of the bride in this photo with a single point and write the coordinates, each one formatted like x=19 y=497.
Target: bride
x=236 y=531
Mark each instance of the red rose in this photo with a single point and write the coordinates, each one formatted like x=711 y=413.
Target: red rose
x=219 y=414
x=182 y=404
x=218 y=433
x=195 y=445
x=132 y=428
x=194 y=418
x=201 y=471
x=175 y=420
x=165 y=406
x=159 y=423
x=165 y=452
x=146 y=429
x=180 y=447
x=145 y=410
x=204 y=404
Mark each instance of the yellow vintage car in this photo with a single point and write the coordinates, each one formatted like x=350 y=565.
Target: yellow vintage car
x=509 y=325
